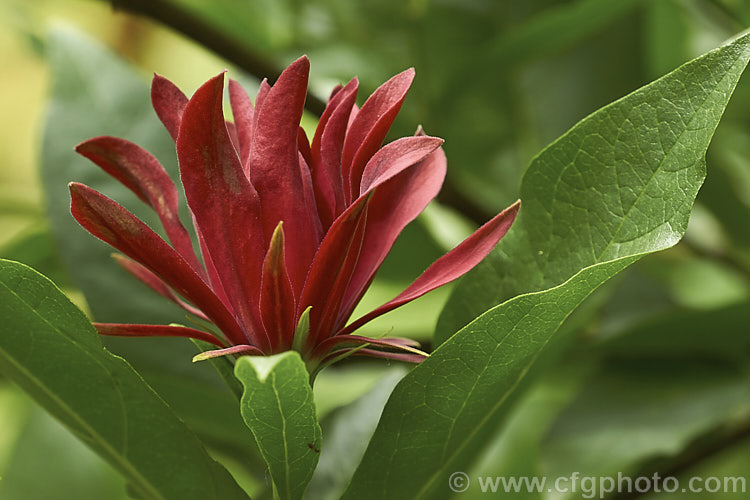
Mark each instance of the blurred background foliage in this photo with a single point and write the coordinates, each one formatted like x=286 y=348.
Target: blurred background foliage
x=652 y=374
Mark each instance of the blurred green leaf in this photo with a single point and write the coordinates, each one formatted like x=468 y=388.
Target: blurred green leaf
x=36 y=248
x=50 y=349
x=631 y=411
x=279 y=408
x=70 y=470
x=617 y=186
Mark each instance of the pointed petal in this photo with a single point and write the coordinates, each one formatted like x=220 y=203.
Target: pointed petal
x=331 y=272
x=407 y=187
x=155 y=283
x=277 y=307
x=169 y=102
x=233 y=138
x=275 y=172
x=340 y=341
x=309 y=196
x=140 y=172
x=304 y=145
x=326 y=151
x=393 y=205
x=122 y=330
x=242 y=110
x=113 y=224
x=396 y=356
x=224 y=203
x=235 y=349
x=394 y=157
x=450 y=266
x=370 y=126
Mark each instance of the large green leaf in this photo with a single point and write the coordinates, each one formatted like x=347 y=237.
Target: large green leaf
x=50 y=349
x=620 y=182
x=279 y=409
x=617 y=186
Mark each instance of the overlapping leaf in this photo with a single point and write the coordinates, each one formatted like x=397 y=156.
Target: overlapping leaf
x=50 y=349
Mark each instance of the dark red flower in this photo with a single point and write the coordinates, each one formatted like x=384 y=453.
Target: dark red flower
x=291 y=233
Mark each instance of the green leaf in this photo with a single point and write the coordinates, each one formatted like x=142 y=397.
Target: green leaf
x=617 y=186
x=620 y=182
x=69 y=468
x=635 y=410
x=279 y=409
x=50 y=349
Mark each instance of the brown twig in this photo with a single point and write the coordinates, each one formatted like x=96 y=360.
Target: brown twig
x=183 y=21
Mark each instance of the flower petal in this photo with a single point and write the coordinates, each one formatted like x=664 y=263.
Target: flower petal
x=122 y=330
x=340 y=341
x=450 y=266
x=155 y=283
x=169 y=102
x=331 y=272
x=326 y=149
x=113 y=224
x=393 y=205
x=412 y=186
x=370 y=126
x=242 y=110
x=140 y=172
x=235 y=349
x=396 y=156
x=224 y=203
x=275 y=171
x=276 y=298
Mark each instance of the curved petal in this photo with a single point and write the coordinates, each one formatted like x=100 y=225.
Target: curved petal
x=235 y=349
x=123 y=330
x=450 y=266
x=396 y=156
x=140 y=172
x=326 y=149
x=331 y=272
x=274 y=168
x=369 y=127
x=276 y=299
x=242 y=110
x=155 y=283
x=393 y=205
x=343 y=341
x=335 y=261
x=169 y=102
x=113 y=224
x=224 y=203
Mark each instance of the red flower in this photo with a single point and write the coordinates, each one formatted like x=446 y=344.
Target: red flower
x=291 y=233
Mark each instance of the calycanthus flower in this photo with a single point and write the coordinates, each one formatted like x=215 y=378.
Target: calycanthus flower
x=291 y=232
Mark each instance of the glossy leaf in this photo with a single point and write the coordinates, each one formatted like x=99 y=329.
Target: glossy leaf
x=619 y=185
x=279 y=409
x=49 y=348
x=622 y=181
